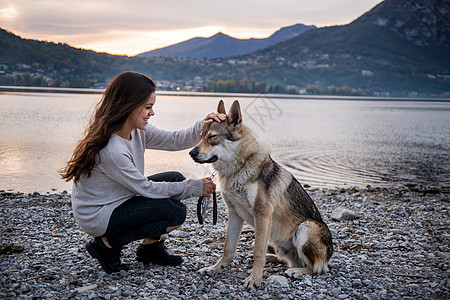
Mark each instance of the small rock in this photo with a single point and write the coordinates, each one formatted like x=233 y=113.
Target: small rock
x=150 y=285
x=356 y=283
x=342 y=213
x=278 y=280
x=336 y=292
x=399 y=231
x=434 y=284
x=208 y=241
x=179 y=233
x=113 y=288
x=86 y=288
x=307 y=280
x=366 y=282
x=443 y=255
x=127 y=293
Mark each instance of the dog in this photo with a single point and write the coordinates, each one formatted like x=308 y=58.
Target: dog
x=259 y=191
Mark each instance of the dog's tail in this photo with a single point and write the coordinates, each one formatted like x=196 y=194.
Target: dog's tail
x=313 y=242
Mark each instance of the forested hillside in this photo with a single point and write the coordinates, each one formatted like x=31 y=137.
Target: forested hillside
x=400 y=47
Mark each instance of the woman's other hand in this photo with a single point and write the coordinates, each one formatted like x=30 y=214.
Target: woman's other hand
x=214 y=116
x=208 y=186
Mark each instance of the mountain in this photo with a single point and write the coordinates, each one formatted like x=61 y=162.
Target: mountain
x=21 y=60
x=425 y=23
x=222 y=45
x=398 y=45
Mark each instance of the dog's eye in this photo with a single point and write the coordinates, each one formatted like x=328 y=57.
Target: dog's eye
x=212 y=136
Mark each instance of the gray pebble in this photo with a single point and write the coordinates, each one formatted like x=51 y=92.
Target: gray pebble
x=356 y=283
x=376 y=256
x=278 y=280
x=342 y=213
x=336 y=292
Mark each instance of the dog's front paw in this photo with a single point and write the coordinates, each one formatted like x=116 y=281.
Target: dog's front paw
x=252 y=281
x=211 y=271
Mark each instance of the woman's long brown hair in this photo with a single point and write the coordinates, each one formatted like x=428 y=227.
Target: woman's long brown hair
x=126 y=91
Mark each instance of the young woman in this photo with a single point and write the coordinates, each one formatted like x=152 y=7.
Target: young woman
x=112 y=200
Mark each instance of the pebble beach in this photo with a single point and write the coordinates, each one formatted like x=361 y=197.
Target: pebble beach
x=388 y=244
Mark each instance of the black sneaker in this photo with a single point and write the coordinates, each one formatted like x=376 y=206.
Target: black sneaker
x=108 y=258
x=157 y=253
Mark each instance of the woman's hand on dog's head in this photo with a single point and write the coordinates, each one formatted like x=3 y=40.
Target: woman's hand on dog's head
x=211 y=117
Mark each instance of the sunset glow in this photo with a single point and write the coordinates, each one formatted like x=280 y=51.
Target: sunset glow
x=136 y=26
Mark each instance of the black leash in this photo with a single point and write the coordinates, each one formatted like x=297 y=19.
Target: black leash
x=202 y=206
x=202 y=211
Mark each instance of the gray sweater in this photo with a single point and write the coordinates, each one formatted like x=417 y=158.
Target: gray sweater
x=119 y=175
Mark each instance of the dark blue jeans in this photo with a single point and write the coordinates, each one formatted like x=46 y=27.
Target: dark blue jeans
x=140 y=218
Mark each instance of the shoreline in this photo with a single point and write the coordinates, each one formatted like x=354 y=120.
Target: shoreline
x=40 y=89
x=418 y=189
x=396 y=245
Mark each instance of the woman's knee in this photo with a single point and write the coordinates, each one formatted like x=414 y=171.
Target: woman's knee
x=176 y=176
x=179 y=214
x=171 y=176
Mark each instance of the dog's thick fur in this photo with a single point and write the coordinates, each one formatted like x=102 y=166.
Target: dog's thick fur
x=259 y=191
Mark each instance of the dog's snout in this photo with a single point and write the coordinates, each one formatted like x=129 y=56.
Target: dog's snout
x=193 y=153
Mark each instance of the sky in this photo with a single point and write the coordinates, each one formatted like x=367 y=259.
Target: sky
x=131 y=27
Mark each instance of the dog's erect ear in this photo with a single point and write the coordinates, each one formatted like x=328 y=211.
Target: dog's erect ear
x=221 y=108
x=235 y=117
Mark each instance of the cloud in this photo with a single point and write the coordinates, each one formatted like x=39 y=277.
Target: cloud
x=133 y=24
x=6 y=11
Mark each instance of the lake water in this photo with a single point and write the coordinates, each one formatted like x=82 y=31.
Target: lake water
x=324 y=143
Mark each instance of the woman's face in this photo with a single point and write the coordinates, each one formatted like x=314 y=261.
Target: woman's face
x=138 y=118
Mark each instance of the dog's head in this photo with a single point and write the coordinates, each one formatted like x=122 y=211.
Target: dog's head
x=220 y=140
